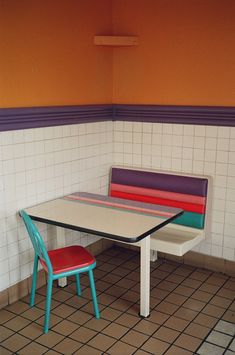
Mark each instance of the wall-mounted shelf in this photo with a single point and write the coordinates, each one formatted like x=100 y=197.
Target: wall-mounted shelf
x=116 y=40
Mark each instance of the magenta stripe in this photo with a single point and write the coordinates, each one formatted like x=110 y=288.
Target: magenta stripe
x=198 y=200
x=119 y=205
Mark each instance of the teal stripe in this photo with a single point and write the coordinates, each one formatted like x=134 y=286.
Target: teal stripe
x=191 y=219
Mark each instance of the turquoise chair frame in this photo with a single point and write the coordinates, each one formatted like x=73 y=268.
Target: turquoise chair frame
x=41 y=253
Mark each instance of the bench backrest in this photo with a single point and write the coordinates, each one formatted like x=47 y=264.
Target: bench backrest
x=168 y=189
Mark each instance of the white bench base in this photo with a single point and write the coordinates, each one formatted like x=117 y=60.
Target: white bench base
x=176 y=239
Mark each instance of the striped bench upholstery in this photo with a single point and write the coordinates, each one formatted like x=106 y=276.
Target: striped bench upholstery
x=168 y=189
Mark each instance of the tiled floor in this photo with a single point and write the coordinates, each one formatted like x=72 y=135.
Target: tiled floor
x=193 y=312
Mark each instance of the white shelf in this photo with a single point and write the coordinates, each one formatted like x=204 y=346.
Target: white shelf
x=116 y=40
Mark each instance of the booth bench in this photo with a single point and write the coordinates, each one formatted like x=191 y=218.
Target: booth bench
x=192 y=193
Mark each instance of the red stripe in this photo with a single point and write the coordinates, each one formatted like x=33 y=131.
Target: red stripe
x=168 y=195
x=190 y=207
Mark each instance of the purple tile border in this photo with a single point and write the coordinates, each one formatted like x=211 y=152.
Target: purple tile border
x=32 y=117
x=197 y=115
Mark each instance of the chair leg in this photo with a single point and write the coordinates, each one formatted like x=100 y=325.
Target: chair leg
x=93 y=293
x=78 y=285
x=34 y=281
x=48 y=304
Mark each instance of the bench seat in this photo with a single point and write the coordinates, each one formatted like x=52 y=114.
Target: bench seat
x=186 y=191
x=175 y=241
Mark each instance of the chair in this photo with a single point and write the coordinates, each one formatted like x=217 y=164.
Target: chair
x=58 y=263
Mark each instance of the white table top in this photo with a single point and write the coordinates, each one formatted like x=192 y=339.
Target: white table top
x=110 y=222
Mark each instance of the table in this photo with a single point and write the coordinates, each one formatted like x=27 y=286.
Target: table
x=112 y=218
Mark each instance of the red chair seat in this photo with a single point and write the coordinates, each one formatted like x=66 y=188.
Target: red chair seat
x=69 y=258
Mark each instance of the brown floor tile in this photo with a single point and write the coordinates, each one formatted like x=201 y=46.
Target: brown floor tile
x=213 y=311
x=32 y=331
x=160 y=294
x=175 y=350
x=106 y=299
x=220 y=302
x=188 y=342
x=50 y=339
x=77 y=302
x=202 y=296
x=176 y=323
x=121 y=304
x=83 y=334
x=38 y=298
x=115 y=330
x=61 y=296
x=186 y=313
x=17 y=307
x=15 y=342
x=229 y=316
x=4 y=351
x=195 y=305
x=158 y=317
x=200 y=276
x=110 y=314
x=155 y=346
x=168 y=266
x=42 y=305
x=205 y=320
x=226 y=293
x=176 y=299
x=166 y=334
x=97 y=324
x=87 y=350
x=230 y=285
x=65 y=327
x=111 y=278
x=217 y=279
x=177 y=279
x=127 y=320
x=101 y=285
x=166 y=307
x=197 y=330
x=5 y=316
x=192 y=283
x=146 y=327
x=167 y=285
x=17 y=323
x=89 y=308
x=126 y=283
x=141 y=352
x=102 y=342
x=4 y=333
x=33 y=313
x=184 y=290
x=33 y=348
x=63 y=311
x=53 y=320
x=121 y=348
x=206 y=287
x=80 y=317
x=135 y=338
x=68 y=346
x=131 y=296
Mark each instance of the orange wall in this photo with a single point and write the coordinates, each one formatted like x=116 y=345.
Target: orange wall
x=47 y=52
x=186 y=54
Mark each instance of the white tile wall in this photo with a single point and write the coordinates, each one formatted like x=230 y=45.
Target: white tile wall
x=191 y=149
x=44 y=163
x=41 y=164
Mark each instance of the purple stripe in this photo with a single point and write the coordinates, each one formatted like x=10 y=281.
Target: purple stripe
x=32 y=117
x=166 y=182
x=197 y=115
